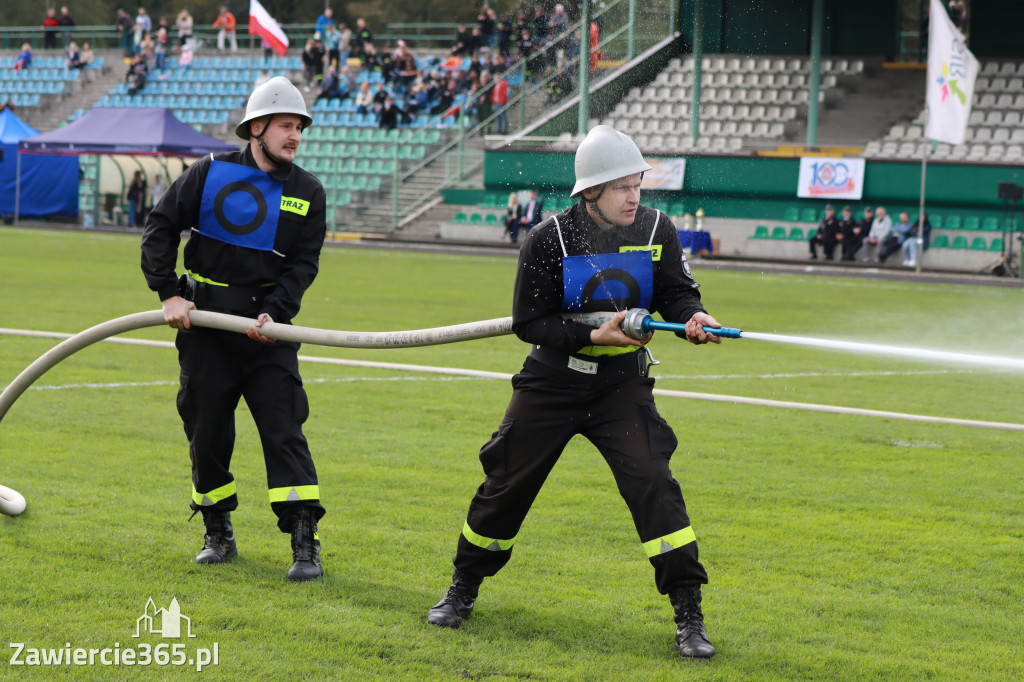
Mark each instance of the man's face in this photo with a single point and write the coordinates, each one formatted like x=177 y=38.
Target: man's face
x=869 y=214
x=282 y=136
x=881 y=212
x=846 y=214
x=904 y=218
x=617 y=205
x=830 y=212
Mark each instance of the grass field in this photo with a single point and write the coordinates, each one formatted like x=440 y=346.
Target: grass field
x=838 y=547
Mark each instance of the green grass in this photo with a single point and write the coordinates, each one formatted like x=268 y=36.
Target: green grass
x=838 y=547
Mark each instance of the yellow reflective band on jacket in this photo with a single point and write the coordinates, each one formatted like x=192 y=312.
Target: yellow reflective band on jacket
x=655 y=250
x=667 y=543
x=598 y=351
x=486 y=543
x=214 y=496
x=294 y=205
x=205 y=280
x=295 y=493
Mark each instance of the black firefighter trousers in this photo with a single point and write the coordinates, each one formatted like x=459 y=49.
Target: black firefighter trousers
x=218 y=368
x=618 y=416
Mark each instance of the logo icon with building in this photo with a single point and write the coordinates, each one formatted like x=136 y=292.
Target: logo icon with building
x=164 y=622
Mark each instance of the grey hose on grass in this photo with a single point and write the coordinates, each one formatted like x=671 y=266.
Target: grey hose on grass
x=285 y=332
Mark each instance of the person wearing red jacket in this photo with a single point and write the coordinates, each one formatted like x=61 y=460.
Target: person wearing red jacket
x=499 y=98
x=50 y=26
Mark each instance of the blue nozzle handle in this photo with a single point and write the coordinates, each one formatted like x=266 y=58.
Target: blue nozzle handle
x=725 y=332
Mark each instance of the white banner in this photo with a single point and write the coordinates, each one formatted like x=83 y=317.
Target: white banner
x=952 y=70
x=823 y=177
x=664 y=174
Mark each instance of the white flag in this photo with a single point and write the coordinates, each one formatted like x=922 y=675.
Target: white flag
x=952 y=70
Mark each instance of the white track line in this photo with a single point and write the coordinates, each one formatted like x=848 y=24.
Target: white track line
x=455 y=371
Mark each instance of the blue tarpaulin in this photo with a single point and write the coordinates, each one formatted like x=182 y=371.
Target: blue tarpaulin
x=49 y=184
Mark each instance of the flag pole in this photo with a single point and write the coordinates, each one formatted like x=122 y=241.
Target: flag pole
x=920 y=212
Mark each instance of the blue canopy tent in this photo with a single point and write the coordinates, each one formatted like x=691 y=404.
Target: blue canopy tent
x=151 y=132
x=48 y=184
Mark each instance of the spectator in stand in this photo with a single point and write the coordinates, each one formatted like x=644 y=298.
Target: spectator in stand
x=958 y=13
x=379 y=96
x=484 y=106
x=344 y=44
x=900 y=231
x=406 y=74
x=826 y=235
x=390 y=114
x=533 y=212
x=539 y=25
x=445 y=99
x=505 y=30
x=881 y=226
x=185 y=60
x=525 y=45
x=332 y=87
x=324 y=20
x=87 y=56
x=24 y=59
x=910 y=243
x=419 y=100
x=559 y=21
x=362 y=38
x=142 y=27
x=595 y=42
x=136 y=198
x=487 y=27
x=125 y=26
x=50 y=26
x=846 y=225
x=136 y=76
x=74 y=58
x=364 y=99
x=147 y=49
x=156 y=190
x=463 y=42
x=332 y=45
x=160 y=47
x=312 y=63
x=513 y=218
x=226 y=23
x=851 y=245
x=498 y=65
x=499 y=98
x=559 y=86
x=851 y=234
x=67 y=22
x=185 y=25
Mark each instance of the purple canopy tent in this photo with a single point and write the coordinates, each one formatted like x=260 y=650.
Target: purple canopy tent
x=150 y=132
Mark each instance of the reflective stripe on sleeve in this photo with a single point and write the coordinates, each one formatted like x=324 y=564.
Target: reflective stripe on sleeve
x=214 y=496
x=295 y=493
x=667 y=543
x=489 y=544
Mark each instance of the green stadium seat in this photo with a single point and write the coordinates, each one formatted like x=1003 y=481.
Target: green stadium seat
x=460 y=218
x=792 y=214
x=959 y=242
x=677 y=209
x=936 y=221
x=809 y=215
x=941 y=242
x=812 y=233
x=796 y=234
x=760 y=232
x=996 y=245
x=979 y=244
x=476 y=219
x=972 y=222
x=990 y=224
x=491 y=219
x=953 y=222
x=779 y=233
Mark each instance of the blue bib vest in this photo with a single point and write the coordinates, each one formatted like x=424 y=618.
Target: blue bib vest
x=240 y=206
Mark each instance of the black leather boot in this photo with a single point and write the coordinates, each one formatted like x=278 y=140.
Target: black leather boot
x=219 y=544
x=457 y=603
x=305 y=547
x=691 y=637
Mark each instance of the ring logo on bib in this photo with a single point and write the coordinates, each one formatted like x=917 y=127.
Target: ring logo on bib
x=240 y=206
x=607 y=281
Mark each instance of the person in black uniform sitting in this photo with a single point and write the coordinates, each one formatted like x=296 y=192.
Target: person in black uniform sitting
x=605 y=254
x=827 y=235
x=257 y=225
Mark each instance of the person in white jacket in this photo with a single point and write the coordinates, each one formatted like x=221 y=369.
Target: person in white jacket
x=880 y=229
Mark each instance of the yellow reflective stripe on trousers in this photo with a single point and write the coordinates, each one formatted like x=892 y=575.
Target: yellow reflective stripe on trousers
x=667 y=543
x=598 y=351
x=486 y=543
x=214 y=496
x=205 y=280
x=295 y=493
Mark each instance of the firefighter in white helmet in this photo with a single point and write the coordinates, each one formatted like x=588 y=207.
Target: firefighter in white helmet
x=257 y=224
x=607 y=253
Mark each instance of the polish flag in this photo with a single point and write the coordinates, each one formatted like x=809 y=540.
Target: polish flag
x=263 y=25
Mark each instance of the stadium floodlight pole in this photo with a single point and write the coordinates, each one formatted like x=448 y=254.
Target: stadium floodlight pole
x=920 y=212
x=630 y=36
x=698 y=68
x=583 y=110
x=817 y=28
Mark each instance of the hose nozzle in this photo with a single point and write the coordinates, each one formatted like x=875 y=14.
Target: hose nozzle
x=638 y=323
